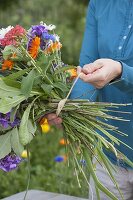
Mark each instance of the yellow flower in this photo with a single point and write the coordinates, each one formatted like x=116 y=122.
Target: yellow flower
x=24 y=154
x=45 y=125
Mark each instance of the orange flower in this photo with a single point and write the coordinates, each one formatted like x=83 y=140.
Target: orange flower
x=72 y=72
x=53 y=47
x=63 y=142
x=8 y=64
x=34 y=47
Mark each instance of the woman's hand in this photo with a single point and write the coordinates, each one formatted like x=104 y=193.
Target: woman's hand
x=100 y=72
x=53 y=119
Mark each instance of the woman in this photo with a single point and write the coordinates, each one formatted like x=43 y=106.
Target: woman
x=107 y=64
x=107 y=68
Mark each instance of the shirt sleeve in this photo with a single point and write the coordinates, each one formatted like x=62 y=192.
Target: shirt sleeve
x=88 y=54
x=125 y=83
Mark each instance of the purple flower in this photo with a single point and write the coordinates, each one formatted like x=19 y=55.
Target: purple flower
x=37 y=30
x=9 y=162
x=5 y=120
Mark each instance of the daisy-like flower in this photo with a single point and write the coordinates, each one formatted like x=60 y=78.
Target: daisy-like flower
x=3 y=31
x=34 y=46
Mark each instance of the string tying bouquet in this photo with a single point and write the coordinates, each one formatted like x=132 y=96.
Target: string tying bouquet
x=34 y=82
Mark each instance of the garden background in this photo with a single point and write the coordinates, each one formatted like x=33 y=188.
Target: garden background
x=46 y=173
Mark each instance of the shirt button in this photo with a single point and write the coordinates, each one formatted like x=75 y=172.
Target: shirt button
x=120 y=47
x=124 y=37
x=129 y=26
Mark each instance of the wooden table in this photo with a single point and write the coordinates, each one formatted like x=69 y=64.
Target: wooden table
x=41 y=195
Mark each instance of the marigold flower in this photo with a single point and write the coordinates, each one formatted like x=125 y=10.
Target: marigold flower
x=7 y=64
x=45 y=125
x=53 y=47
x=72 y=73
x=34 y=47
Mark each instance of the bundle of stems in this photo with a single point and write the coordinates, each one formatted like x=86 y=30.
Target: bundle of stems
x=86 y=128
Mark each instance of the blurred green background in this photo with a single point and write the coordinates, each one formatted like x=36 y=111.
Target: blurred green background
x=46 y=174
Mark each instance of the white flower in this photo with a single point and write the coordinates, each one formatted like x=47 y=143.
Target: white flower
x=57 y=38
x=3 y=31
x=48 y=27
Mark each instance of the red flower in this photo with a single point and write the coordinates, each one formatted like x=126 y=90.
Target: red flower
x=10 y=37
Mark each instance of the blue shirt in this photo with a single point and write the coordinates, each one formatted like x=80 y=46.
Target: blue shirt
x=109 y=34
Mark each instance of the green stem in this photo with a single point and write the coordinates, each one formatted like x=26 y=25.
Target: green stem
x=29 y=174
x=98 y=184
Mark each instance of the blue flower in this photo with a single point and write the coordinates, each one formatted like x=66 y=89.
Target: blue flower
x=59 y=159
x=83 y=162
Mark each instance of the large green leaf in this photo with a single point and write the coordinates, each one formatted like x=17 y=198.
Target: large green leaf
x=15 y=143
x=27 y=83
x=16 y=75
x=25 y=133
x=8 y=91
x=47 y=88
x=7 y=103
x=61 y=86
x=5 y=144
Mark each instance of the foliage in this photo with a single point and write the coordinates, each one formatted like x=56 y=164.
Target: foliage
x=46 y=174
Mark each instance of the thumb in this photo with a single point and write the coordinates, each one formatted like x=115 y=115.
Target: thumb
x=79 y=70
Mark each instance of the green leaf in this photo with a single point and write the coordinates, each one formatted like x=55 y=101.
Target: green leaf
x=15 y=143
x=47 y=88
x=27 y=83
x=5 y=144
x=63 y=69
x=8 y=50
x=8 y=91
x=16 y=74
x=25 y=133
x=61 y=86
x=32 y=128
x=6 y=104
x=13 y=113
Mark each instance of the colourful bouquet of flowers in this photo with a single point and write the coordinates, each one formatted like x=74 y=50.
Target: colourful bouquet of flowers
x=34 y=82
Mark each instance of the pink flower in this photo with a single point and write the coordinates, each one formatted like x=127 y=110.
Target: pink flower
x=11 y=36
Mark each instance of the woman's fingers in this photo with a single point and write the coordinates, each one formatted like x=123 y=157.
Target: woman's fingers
x=53 y=119
x=92 y=67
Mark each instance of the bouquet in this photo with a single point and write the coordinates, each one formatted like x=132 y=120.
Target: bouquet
x=34 y=82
